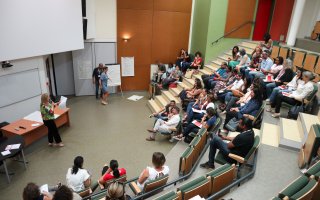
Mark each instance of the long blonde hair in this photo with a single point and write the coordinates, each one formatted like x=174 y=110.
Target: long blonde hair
x=44 y=98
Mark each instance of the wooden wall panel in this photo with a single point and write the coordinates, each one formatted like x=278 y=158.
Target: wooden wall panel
x=157 y=30
x=135 y=4
x=137 y=24
x=238 y=13
x=173 y=5
x=170 y=34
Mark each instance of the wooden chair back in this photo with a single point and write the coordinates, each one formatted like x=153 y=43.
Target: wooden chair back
x=284 y=52
x=161 y=181
x=298 y=59
x=310 y=62
x=275 y=52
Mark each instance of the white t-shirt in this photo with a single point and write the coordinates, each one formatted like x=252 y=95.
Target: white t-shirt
x=173 y=121
x=154 y=174
x=237 y=84
x=75 y=181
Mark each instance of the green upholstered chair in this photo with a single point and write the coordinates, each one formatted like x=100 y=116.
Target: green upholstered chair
x=186 y=161
x=149 y=186
x=300 y=189
x=169 y=196
x=241 y=160
x=314 y=172
x=195 y=143
x=99 y=195
x=276 y=198
x=200 y=186
x=221 y=177
x=87 y=191
x=257 y=120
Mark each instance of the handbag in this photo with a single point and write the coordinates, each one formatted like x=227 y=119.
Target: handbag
x=232 y=124
x=295 y=110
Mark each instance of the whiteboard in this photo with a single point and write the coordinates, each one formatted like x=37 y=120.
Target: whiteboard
x=114 y=75
x=19 y=86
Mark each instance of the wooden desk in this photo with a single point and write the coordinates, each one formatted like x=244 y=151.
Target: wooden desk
x=32 y=134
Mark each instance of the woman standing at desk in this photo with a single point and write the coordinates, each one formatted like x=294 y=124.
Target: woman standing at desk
x=47 y=113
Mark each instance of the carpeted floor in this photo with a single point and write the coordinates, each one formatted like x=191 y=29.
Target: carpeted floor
x=99 y=134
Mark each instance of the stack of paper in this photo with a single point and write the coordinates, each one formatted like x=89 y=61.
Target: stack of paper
x=6 y=152
x=63 y=102
x=12 y=146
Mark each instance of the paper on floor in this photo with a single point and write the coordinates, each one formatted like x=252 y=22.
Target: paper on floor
x=135 y=98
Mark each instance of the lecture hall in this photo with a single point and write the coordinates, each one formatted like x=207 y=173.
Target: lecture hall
x=160 y=100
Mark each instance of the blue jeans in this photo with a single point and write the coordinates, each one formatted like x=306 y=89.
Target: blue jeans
x=217 y=143
x=274 y=94
x=269 y=88
x=159 y=116
x=191 y=115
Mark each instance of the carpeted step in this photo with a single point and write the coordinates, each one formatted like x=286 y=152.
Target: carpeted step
x=168 y=95
x=161 y=101
x=154 y=107
x=291 y=134
x=270 y=134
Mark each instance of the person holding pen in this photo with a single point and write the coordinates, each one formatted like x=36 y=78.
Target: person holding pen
x=47 y=113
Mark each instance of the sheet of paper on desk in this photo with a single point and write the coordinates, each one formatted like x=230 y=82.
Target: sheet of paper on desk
x=35 y=125
x=135 y=98
x=35 y=116
x=44 y=188
x=56 y=116
x=63 y=102
x=6 y=152
x=8 y=147
x=15 y=146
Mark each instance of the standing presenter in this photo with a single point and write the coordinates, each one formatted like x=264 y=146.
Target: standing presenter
x=47 y=113
x=104 y=85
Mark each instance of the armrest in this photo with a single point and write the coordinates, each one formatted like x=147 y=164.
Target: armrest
x=134 y=187
x=236 y=157
x=251 y=117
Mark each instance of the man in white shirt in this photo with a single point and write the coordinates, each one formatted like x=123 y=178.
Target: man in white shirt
x=165 y=127
x=265 y=65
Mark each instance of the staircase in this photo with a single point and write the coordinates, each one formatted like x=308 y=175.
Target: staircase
x=160 y=101
x=290 y=134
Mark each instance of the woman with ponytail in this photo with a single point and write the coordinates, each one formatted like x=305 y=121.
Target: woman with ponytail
x=77 y=177
x=112 y=172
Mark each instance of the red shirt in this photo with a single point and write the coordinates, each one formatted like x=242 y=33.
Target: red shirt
x=107 y=177
x=197 y=61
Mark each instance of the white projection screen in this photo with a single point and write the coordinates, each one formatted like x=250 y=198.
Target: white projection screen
x=39 y=27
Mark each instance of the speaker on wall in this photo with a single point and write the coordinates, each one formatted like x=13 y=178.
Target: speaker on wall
x=85 y=24
x=83 y=3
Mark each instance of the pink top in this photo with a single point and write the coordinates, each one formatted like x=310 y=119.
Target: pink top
x=276 y=68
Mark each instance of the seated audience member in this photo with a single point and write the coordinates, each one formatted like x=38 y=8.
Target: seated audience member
x=221 y=85
x=198 y=109
x=151 y=173
x=237 y=102
x=183 y=57
x=235 y=89
x=170 y=69
x=195 y=64
x=275 y=68
x=207 y=121
x=32 y=192
x=64 y=193
x=189 y=95
x=265 y=65
x=165 y=127
x=284 y=76
x=294 y=97
x=215 y=76
x=286 y=87
x=116 y=191
x=250 y=108
x=158 y=76
x=235 y=60
x=78 y=178
x=244 y=60
x=239 y=145
x=163 y=114
x=224 y=78
x=112 y=172
x=267 y=42
x=174 y=76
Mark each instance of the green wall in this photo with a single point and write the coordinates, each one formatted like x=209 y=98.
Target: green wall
x=200 y=26
x=209 y=19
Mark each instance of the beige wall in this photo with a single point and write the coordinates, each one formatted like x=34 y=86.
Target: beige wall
x=311 y=13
